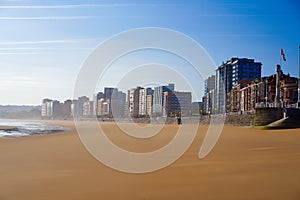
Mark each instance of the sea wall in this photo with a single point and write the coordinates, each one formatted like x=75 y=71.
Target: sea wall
x=293 y=113
x=230 y=120
x=240 y=120
x=265 y=116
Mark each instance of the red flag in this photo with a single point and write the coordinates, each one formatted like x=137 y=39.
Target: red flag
x=283 y=56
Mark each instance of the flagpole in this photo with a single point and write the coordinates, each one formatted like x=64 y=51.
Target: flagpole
x=280 y=61
x=278 y=79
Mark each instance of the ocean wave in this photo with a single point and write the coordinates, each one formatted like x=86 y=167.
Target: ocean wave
x=27 y=129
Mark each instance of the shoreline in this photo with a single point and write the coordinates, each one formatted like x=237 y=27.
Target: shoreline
x=8 y=128
x=28 y=128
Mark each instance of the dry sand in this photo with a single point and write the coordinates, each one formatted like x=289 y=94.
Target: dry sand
x=245 y=164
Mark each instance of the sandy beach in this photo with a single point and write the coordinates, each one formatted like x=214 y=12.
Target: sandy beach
x=246 y=163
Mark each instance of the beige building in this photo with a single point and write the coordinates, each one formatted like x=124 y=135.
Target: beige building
x=103 y=107
x=133 y=101
x=149 y=103
x=143 y=101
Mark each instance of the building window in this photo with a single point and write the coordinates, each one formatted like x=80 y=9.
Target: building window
x=291 y=91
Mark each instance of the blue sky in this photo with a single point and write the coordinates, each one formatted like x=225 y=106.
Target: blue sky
x=44 y=43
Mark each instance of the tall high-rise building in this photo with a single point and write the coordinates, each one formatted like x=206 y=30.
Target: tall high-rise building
x=126 y=109
x=67 y=109
x=143 y=101
x=56 y=109
x=229 y=74
x=117 y=105
x=77 y=106
x=133 y=101
x=110 y=93
x=122 y=96
x=96 y=97
x=150 y=91
x=149 y=103
x=51 y=108
x=209 y=90
x=244 y=68
x=130 y=100
x=122 y=101
x=115 y=101
x=46 y=111
x=100 y=95
x=145 y=106
x=158 y=98
x=47 y=108
x=177 y=103
x=99 y=107
x=87 y=108
x=103 y=108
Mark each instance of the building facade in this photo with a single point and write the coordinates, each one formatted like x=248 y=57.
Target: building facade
x=158 y=98
x=134 y=101
x=46 y=110
x=261 y=92
x=142 y=102
x=177 y=104
x=67 y=109
x=149 y=104
x=228 y=75
x=209 y=93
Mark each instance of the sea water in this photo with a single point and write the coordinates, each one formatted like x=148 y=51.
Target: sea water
x=27 y=128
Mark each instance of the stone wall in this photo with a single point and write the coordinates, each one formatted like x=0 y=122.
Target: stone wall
x=294 y=113
x=265 y=116
x=240 y=120
x=231 y=120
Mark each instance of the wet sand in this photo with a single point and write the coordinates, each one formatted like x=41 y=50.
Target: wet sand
x=7 y=128
x=246 y=163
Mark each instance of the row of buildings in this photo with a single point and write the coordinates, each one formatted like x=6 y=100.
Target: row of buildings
x=237 y=87
x=162 y=101
x=139 y=102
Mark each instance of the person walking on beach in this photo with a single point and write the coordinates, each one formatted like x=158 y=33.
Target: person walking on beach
x=179 y=120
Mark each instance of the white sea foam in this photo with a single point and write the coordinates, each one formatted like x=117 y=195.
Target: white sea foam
x=27 y=128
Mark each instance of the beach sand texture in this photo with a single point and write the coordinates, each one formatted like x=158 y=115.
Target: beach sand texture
x=246 y=163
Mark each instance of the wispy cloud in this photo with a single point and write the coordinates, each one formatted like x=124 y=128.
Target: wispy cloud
x=84 y=6
x=42 y=48
x=239 y=35
x=52 y=18
x=111 y=17
x=11 y=0
x=234 y=15
x=36 y=42
x=20 y=48
x=45 y=41
x=21 y=81
x=18 y=53
x=24 y=78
